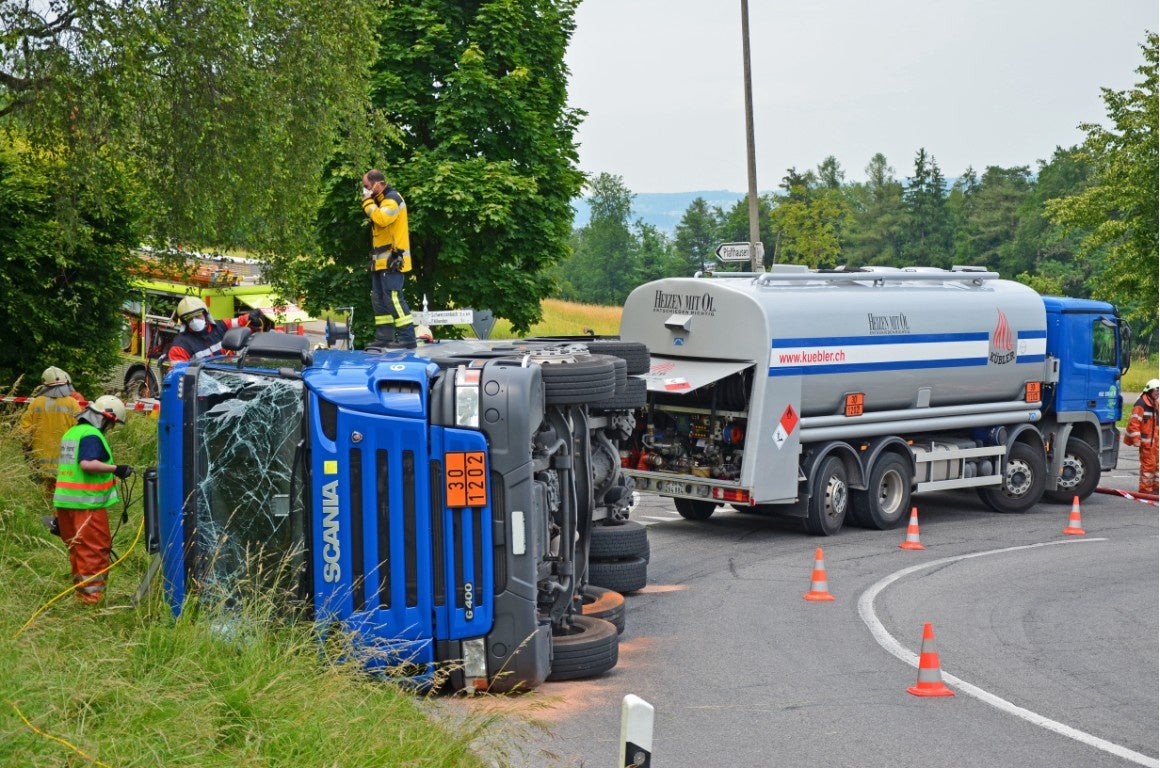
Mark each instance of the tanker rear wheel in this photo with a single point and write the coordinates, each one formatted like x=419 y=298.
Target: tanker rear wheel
x=887 y=495
x=829 y=498
x=1081 y=473
x=1024 y=478
x=691 y=509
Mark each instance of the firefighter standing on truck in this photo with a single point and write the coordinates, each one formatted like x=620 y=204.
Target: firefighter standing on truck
x=85 y=489
x=48 y=416
x=390 y=259
x=1141 y=432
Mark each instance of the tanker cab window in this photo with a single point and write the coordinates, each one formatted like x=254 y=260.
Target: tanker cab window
x=1104 y=343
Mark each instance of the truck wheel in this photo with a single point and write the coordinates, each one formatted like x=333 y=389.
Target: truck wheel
x=633 y=395
x=633 y=353
x=585 y=648
x=625 y=575
x=584 y=379
x=887 y=495
x=1081 y=473
x=601 y=603
x=691 y=509
x=141 y=384
x=829 y=498
x=609 y=542
x=1024 y=476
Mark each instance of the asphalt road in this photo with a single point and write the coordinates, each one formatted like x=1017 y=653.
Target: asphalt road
x=1049 y=641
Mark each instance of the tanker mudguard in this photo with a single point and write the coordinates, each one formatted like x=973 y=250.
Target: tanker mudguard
x=428 y=509
x=819 y=393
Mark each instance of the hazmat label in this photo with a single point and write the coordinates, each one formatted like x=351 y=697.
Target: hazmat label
x=785 y=426
x=676 y=385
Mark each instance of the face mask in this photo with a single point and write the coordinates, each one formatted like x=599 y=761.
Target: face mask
x=197 y=324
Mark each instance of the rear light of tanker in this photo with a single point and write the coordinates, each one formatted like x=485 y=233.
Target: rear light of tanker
x=732 y=496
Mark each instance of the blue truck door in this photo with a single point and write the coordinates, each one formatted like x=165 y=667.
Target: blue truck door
x=1083 y=337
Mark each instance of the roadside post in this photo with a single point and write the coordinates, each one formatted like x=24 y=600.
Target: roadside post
x=636 y=729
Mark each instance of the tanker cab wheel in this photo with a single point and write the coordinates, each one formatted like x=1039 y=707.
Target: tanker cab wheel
x=1024 y=478
x=829 y=498
x=1080 y=475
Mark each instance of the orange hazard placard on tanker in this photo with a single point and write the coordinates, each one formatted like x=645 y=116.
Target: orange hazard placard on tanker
x=465 y=479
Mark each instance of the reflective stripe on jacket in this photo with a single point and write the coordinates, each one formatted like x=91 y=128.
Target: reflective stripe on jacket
x=76 y=488
x=388 y=215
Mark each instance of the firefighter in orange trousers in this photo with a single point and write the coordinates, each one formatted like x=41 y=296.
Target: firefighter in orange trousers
x=1142 y=432
x=85 y=489
x=49 y=415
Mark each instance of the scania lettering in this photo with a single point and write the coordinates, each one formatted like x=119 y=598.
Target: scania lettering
x=834 y=395
x=435 y=508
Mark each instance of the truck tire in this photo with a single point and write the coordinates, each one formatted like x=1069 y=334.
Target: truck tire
x=829 y=498
x=633 y=353
x=887 y=496
x=1081 y=473
x=633 y=395
x=625 y=575
x=1024 y=477
x=601 y=603
x=586 y=648
x=141 y=383
x=612 y=542
x=585 y=379
x=691 y=509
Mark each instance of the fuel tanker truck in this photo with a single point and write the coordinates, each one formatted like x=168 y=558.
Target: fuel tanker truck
x=834 y=395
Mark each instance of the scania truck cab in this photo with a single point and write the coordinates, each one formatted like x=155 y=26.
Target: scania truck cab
x=433 y=508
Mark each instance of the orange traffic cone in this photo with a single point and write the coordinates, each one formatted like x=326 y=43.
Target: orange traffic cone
x=929 y=675
x=1073 y=522
x=818 y=587
x=912 y=541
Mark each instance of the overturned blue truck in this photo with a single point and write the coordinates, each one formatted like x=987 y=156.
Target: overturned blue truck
x=434 y=508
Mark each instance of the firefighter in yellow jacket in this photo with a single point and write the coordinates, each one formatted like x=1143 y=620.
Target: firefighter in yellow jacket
x=390 y=260
x=49 y=415
x=1141 y=432
x=85 y=489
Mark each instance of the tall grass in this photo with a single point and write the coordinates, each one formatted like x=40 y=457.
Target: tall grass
x=565 y=318
x=124 y=686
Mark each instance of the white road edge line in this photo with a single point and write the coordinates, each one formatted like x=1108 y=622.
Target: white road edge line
x=896 y=649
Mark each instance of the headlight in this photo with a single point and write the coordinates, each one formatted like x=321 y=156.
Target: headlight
x=467 y=397
x=475 y=663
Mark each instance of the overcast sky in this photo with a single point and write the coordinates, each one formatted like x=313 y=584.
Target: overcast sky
x=975 y=82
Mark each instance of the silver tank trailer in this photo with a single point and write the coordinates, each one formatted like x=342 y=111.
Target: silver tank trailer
x=903 y=338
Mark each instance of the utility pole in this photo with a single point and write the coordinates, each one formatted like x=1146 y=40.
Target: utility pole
x=754 y=229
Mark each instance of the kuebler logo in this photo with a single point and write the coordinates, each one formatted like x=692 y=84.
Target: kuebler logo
x=1002 y=341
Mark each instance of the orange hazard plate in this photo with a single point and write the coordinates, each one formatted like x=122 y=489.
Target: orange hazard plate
x=465 y=479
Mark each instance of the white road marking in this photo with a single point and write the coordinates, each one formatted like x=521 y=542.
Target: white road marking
x=896 y=649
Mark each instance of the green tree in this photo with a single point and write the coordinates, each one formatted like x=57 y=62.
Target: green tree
x=485 y=155
x=986 y=214
x=697 y=236
x=1120 y=211
x=928 y=226
x=605 y=262
x=879 y=217
x=810 y=217
x=733 y=227
x=61 y=306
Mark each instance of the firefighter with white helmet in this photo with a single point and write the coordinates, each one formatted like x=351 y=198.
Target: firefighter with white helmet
x=1141 y=432
x=201 y=335
x=48 y=416
x=85 y=489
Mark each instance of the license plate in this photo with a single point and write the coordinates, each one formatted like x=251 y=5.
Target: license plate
x=465 y=479
x=670 y=486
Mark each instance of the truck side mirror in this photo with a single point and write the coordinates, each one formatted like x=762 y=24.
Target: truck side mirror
x=235 y=338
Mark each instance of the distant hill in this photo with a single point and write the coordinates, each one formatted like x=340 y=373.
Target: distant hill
x=663 y=210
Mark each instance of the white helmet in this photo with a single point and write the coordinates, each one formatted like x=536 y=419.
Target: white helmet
x=190 y=305
x=1151 y=385
x=110 y=407
x=53 y=376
